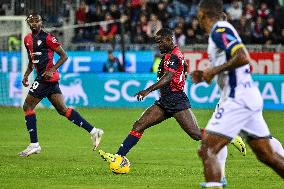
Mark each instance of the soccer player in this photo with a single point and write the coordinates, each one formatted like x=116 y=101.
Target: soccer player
x=240 y=107
x=173 y=102
x=40 y=47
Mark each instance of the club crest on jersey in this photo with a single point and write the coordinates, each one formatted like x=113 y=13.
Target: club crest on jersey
x=54 y=40
x=220 y=30
x=39 y=42
x=169 y=63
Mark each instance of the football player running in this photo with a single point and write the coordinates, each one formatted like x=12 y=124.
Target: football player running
x=240 y=107
x=173 y=101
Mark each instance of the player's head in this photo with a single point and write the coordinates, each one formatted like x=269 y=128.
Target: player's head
x=209 y=10
x=164 y=40
x=34 y=20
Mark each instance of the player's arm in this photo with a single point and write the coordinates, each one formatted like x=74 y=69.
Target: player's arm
x=170 y=68
x=227 y=40
x=239 y=59
x=62 y=58
x=28 y=71
x=165 y=79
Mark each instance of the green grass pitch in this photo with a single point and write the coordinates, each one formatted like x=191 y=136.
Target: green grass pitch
x=165 y=157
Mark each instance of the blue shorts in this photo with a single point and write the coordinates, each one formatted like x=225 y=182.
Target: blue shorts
x=43 y=89
x=173 y=103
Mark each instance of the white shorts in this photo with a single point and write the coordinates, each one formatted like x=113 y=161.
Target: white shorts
x=231 y=119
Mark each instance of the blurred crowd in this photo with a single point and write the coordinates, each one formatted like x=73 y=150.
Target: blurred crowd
x=258 y=22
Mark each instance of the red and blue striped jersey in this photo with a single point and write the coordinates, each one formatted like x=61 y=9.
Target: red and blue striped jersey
x=173 y=62
x=40 y=50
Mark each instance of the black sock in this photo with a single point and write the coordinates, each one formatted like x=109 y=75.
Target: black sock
x=77 y=119
x=130 y=141
x=30 y=118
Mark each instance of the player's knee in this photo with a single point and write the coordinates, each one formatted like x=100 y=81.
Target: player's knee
x=24 y=107
x=206 y=153
x=196 y=135
x=62 y=110
x=27 y=107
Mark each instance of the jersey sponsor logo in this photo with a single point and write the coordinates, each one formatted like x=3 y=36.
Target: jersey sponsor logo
x=37 y=53
x=39 y=42
x=171 y=63
x=34 y=55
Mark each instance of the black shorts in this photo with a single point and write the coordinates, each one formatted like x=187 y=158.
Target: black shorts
x=42 y=89
x=173 y=103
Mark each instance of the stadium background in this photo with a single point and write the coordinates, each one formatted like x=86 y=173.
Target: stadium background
x=166 y=157
x=129 y=27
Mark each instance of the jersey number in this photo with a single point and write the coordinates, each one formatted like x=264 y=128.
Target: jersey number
x=34 y=86
x=219 y=113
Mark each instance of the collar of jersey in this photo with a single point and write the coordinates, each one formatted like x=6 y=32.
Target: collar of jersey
x=37 y=33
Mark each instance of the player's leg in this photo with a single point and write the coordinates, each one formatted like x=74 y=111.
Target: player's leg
x=258 y=137
x=188 y=123
x=218 y=134
x=30 y=117
x=276 y=146
x=264 y=152
x=72 y=115
x=150 y=117
x=208 y=152
x=222 y=157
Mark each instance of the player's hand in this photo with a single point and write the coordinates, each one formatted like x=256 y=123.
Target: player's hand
x=48 y=74
x=25 y=81
x=208 y=75
x=196 y=76
x=141 y=95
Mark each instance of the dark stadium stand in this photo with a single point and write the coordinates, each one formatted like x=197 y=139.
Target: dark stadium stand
x=258 y=22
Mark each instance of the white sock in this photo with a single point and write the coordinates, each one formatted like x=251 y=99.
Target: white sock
x=276 y=146
x=212 y=184
x=222 y=157
x=93 y=130
x=35 y=144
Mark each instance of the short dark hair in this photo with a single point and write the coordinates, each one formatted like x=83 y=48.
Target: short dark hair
x=165 y=32
x=33 y=14
x=212 y=8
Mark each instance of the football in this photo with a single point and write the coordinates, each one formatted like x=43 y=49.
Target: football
x=120 y=165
